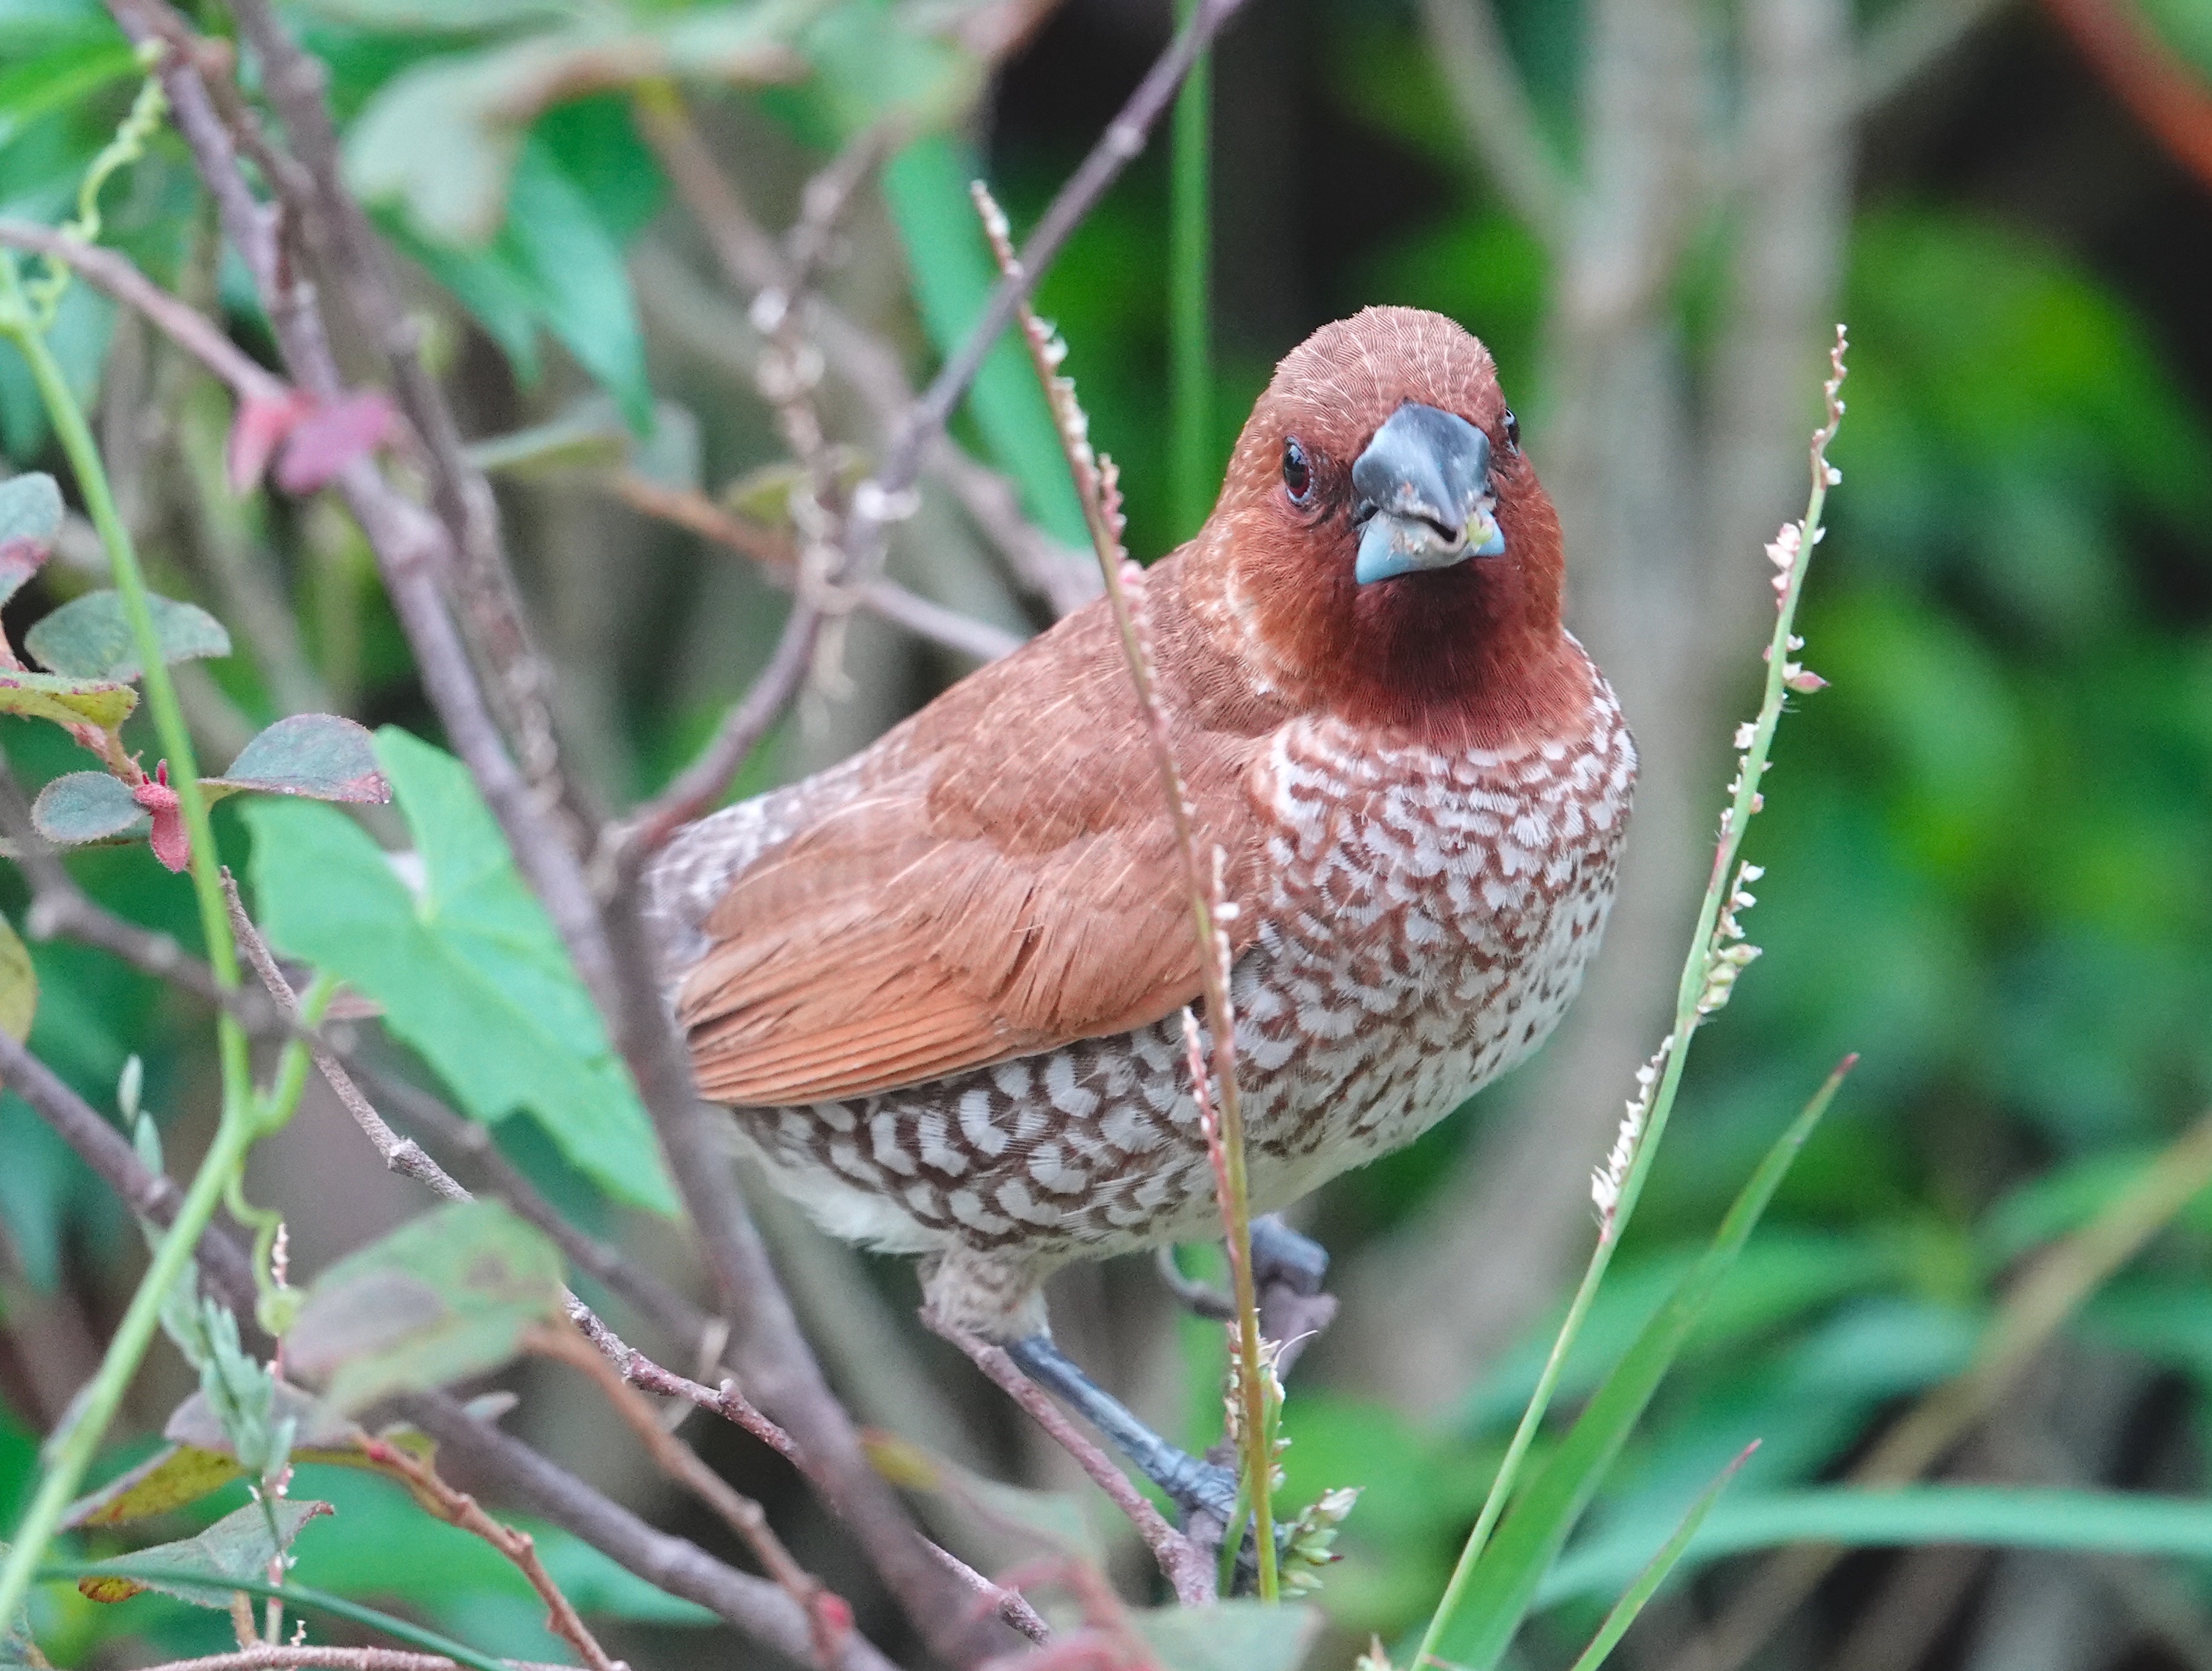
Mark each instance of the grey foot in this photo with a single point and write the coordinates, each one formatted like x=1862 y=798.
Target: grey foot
x=1280 y=1256
x=1193 y=1484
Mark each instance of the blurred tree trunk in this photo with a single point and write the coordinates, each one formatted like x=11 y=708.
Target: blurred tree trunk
x=1670 y=471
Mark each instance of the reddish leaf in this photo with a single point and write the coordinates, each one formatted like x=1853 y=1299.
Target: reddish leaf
x=172 y=845
x=328 y=439
x=263 y=421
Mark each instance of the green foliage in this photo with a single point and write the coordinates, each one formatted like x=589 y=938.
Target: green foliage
x=464 y=961
x=87 y=637
x=240 y=1545
x=449 y=1294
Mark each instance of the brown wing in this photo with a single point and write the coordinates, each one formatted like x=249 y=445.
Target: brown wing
x=1004 y=881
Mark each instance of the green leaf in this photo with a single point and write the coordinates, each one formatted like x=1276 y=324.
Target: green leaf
x=2004 y=1517
x=469 y=970
x=320 y=755
x=444 y=140
x=86 y=806
x=236 y=1546
x=170 y=1479
x=19 y=984
x=1654 y=1572
x=1506 y=1578
x=1229 y=1636
x=449 y=1294
x=66 y=702
x=30 y=521
x=61 y=76
x=88 y=638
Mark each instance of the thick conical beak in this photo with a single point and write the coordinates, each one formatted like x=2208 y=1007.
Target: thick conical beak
x=1423 y=496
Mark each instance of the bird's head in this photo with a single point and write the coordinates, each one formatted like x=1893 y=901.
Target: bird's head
x=1382 y=547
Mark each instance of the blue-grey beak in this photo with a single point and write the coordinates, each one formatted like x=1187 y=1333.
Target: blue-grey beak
x=1424 y=497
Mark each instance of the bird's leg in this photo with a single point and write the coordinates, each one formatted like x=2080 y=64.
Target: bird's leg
x=1280 y=1254
x=1287 y=1272
x=1193 y=1484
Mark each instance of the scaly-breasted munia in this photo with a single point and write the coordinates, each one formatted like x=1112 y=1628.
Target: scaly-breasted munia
x=939 y=986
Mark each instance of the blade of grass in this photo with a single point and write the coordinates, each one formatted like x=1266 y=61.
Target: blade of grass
x=1717 y=954
x=2006 y=1516
x=1477 y=1632
x=1657 y=1569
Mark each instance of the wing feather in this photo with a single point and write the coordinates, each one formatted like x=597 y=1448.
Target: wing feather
x=1000 y=879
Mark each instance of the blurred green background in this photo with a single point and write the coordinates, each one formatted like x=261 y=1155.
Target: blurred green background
x=1989 y=846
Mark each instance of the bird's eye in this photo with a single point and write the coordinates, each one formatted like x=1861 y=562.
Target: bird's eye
x=1512 y=430
x=1297 y=472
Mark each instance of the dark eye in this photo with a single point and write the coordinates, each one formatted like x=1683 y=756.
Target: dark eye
x=1512 y=430
x=1297 y=471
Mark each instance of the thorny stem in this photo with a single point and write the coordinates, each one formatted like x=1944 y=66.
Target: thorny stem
x=1095 y=484
x=458 y=1508
x=1708 y=972
x=73 y=1451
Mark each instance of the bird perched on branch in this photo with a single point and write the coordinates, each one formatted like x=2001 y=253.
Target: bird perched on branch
x=940 y=986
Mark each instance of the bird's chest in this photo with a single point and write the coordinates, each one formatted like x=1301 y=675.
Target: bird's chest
x=1431 y=914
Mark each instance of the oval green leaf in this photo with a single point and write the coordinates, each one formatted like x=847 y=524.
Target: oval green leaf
x=88 y=637
x=86 y=806
x=320 y=755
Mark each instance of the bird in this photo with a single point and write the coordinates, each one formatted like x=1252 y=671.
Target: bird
x=940 y=987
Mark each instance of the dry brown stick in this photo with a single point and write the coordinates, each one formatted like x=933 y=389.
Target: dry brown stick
x=831 y=1615
x=458 y=1508
x=2040 y=1303
x=113 y=272
x=1186 y=1566
x=689 y=508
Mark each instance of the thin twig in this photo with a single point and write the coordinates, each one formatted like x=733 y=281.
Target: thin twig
x=115 y=273
x=275 y=1656
x=870 y=366
x=831 y=1615
x=1185 y=1565
x=773 y=549
x=458 y=1508
x=626 y=847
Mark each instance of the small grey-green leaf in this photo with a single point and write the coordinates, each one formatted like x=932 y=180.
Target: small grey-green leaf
x=320 y=755
x=30 y=520
x=236 y=1546
x=86 y=806
x=88 y=637
x=448 y=1295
